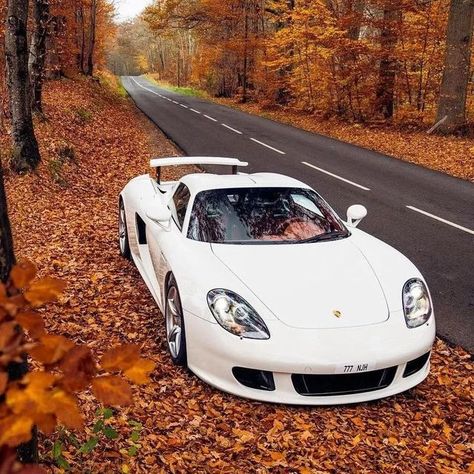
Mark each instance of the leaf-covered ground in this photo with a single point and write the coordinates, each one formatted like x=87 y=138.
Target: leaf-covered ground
x=64 y=219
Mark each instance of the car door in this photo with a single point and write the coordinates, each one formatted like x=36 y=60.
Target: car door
x=158 y=237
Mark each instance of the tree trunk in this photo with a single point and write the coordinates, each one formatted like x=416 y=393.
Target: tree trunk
x=7 y=255
x=90 y=55
x=81 y=38
x=38 y=53
x=385 y=95
x=26 y=154
x=454 y=86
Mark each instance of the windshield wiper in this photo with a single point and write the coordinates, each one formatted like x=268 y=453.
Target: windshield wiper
x=323 y=237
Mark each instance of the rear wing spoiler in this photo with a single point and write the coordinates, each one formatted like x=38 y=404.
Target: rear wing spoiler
x=159 y=163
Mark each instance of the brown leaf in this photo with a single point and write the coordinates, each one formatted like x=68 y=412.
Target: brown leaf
x=121 y=357
x=44 y=291
x=51 y=349
x=10 y=336
x=139 y=372
x=46 y=423
x=3 y=382
x=23 y=274
x=31 y=322
x=31 y=469
x=79 y=368
x=112 y=390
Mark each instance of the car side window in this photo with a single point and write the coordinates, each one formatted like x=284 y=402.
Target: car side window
x=179 y=204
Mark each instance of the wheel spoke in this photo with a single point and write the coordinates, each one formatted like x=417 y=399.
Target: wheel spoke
x=173 y=308
x=173 y=319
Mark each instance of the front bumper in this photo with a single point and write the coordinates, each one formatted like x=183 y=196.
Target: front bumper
x=213 y=353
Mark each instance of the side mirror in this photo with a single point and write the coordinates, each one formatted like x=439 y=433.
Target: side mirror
x=160 y=214
x=355 y=214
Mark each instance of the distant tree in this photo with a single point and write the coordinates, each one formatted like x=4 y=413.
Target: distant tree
x=92 y=38
x=26 y=155
x=385 y=94
x=454 y=86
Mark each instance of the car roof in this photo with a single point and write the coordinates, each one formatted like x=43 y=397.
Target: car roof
x=206 y=181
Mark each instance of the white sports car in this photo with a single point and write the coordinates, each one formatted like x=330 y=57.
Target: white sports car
x=268 y=294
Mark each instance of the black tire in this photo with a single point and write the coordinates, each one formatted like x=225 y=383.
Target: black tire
x=124 y=245
x=177 y=352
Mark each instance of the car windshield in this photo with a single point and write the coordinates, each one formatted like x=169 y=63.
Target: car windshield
x=263 y=215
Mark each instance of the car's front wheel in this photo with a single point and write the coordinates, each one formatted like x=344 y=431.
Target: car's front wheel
x=175 y=332
x=123 y=233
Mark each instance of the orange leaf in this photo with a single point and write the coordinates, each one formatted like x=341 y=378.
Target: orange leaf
x=66 y=410
x=31 y=322
x=79 y=368
x=276 y=455
x=121 y=357
x=140 y=371
x=51 y=349
x=3 y=382
x=15 y=430
x=46 y=423
x=10 y=336
x=112 y=390
x=243 y=435
x=23 y=274
x=33 y=395
x=44 y=291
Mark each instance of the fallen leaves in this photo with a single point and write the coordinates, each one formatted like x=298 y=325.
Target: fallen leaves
x=187 y=425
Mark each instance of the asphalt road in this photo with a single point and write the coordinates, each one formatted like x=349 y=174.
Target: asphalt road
x=427 y=215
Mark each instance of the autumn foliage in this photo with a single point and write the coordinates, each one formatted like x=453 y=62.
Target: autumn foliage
x=47 y=398
x=361 y=60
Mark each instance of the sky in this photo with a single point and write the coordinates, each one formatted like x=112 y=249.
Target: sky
x=129 y=8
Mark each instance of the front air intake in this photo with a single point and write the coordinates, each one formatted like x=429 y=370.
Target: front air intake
x=342 y=384
x=259 y=379
x=416 y=365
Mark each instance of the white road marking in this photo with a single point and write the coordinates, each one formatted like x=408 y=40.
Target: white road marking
x=143 y=87
x=195 y=111
x=268 y=146
x=185 y=106
x=440 y=219
x=336 y=176
x=174 y=102
x=232 y=129
x=210 y=118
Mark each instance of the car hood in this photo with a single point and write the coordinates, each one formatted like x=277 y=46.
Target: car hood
x=319 y=286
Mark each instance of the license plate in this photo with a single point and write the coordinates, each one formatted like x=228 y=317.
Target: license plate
x=355 y=368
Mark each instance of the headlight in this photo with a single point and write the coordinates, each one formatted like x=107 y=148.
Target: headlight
x=235 y=315
x=416 y=303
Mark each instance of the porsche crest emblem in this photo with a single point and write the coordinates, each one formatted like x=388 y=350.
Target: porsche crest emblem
x=337 y=313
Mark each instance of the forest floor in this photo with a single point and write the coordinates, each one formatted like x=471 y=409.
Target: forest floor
x=451 y=155
x=64 y=219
